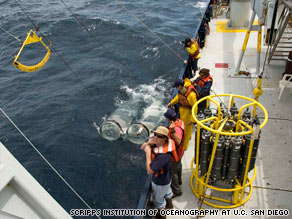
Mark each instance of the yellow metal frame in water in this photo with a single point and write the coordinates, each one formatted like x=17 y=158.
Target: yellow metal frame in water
x=32 y=38
x=201 y=183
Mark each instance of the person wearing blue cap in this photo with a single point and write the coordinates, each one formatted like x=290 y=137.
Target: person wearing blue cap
x=186 y=97
x=176 y=132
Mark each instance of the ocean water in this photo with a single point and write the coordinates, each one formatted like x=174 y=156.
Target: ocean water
x=55 y=110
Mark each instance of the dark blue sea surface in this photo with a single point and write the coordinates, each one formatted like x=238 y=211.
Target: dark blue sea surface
x=57 y=113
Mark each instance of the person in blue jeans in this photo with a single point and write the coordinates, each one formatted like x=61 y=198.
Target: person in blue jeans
x=160 y=151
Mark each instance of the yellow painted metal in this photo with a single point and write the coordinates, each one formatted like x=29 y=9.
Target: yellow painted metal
x=221 y=27
x=236 y=195
x=243 y=124
x=260 y=40
x=247 y=167
x=219 y=113
x=213 y=152
x=197 y=150
x=202 y=182
x=258 y=90
x=245 y=41
x=231 y=101
x=249 y=184
x=32 y=38
x=209 y=119
x=201 y=187
x=257 y=93
x=239 y=116
x=221 y=189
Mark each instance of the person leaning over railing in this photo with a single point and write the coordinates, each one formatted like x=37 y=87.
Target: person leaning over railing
x=160 y=151
x=191 y=45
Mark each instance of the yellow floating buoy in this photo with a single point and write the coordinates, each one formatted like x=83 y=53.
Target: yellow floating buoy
x=32 y=38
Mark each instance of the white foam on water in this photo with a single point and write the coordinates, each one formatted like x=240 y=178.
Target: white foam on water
x=100 y=18
x=107 y=20
x=201 y=5
x=144 y=93
x=150 y=52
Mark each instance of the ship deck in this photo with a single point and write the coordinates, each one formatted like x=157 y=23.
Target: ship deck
x=273 y=183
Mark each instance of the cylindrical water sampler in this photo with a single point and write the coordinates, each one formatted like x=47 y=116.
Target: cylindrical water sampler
x=139 y=132
x=116 y=124
x=226 y=151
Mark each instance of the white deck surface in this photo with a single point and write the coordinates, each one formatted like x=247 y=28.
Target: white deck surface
x=21 y=195
x=274 y=158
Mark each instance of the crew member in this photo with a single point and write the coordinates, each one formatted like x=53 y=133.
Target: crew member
x=186 y=98
x=194 y=53
x=203 y=85
x=176 y=132
x=160 y=151
x=202 y=33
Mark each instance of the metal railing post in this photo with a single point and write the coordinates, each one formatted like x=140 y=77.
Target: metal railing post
x=245 y=42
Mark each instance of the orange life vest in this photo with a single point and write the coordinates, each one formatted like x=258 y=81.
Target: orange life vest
x=194 y=56
x=179 y=148
x=202 y=81
x=182 y=98
x=169 y=146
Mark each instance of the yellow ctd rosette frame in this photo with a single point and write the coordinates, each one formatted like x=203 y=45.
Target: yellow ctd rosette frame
x=201 y=183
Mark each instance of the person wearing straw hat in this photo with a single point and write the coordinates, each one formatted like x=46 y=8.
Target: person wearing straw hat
x=160 y=151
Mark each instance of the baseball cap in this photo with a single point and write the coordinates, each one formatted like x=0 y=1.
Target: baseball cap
x=179 y=82
x=170 y=114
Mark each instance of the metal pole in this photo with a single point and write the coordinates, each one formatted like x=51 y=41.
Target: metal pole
x=246 y=168
x=272 y=31
x=198 y=157
x=245 y=42
x=259 y=48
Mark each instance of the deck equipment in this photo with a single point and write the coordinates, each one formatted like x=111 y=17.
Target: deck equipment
x=225 y=150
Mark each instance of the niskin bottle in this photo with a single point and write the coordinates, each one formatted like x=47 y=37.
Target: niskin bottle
x=140 y=131
x=116 y=124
